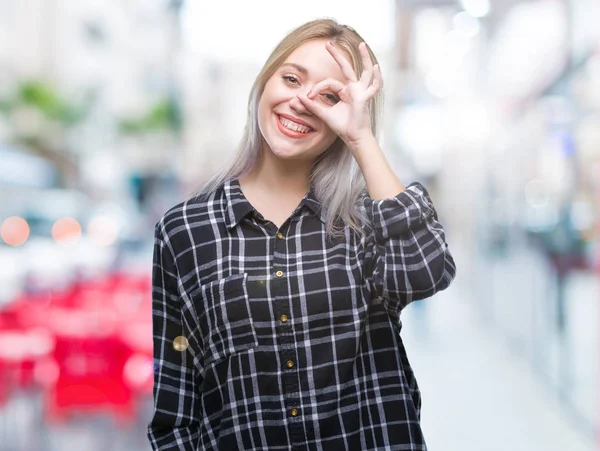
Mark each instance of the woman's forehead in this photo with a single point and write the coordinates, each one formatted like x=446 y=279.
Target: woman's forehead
x=312 y=59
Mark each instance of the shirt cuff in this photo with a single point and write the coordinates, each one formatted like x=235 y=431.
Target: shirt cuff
x=393 y=217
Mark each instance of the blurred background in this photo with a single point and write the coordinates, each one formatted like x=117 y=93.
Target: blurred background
x=112 y=111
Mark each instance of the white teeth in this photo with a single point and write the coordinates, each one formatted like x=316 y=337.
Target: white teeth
x=293 y=126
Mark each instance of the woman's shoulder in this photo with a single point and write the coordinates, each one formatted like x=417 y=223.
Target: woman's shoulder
x=195 y=209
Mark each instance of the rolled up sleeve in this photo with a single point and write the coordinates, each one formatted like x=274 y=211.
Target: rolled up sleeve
x=174 y=424
x=409 y=256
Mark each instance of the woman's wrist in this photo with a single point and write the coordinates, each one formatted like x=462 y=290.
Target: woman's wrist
x=362 y=143
x=382 y=182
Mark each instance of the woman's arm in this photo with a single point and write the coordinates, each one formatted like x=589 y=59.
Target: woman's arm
x=175 y=422
x=407 y=251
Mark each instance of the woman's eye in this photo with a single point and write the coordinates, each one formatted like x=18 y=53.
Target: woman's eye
x=331 y=98
x=290 y=79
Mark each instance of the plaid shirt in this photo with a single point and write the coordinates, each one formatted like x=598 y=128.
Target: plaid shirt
x=283 y=339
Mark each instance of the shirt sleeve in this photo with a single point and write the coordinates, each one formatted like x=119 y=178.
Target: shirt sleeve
x=174 y=424
x=407 y=254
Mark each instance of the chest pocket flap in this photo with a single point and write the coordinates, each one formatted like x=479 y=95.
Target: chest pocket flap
x=224 y=317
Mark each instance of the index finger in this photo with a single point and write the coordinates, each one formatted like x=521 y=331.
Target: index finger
x=367 y=73
x=344 y=64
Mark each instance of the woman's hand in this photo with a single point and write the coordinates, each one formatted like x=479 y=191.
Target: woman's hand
x=349 y=117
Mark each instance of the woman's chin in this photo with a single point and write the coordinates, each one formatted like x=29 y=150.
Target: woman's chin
x=284 y=153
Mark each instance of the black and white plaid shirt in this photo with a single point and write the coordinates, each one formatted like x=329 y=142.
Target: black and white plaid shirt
x=282 y=339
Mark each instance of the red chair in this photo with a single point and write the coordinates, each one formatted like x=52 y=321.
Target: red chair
x=89 y=346
x=21 y=347
x=90 y=378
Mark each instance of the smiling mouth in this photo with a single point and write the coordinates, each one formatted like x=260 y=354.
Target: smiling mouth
x=293 y=126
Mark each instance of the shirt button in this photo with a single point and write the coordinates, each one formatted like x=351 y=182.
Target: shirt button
x=280 y=236
x=180 y=343
x=279 y=273
x=289 y=364
x=294 y=412
x=283 y=318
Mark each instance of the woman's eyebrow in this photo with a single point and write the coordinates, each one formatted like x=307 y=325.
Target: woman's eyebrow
x=298 y=67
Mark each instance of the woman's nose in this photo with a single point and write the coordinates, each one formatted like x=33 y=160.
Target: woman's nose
x=298 y=106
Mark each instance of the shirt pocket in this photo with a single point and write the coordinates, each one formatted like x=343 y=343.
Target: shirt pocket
x=223 y=312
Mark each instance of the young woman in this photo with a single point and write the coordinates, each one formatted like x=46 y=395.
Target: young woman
x=278 y=288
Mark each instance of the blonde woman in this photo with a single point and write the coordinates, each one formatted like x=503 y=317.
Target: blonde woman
x=278 y=287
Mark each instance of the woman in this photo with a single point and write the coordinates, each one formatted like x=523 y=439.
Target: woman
x=278 y=288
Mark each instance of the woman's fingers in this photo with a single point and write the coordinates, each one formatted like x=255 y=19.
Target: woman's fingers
x=367 y=72
x=329 y=84
x=376 y=84
x=368 y=84
x=314 y=107
x=344 y=64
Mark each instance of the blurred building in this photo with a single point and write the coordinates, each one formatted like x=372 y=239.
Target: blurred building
x=213 y=91
x=497 y=108
x=117 y=61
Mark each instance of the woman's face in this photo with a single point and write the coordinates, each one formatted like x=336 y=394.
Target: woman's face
x=289 y=130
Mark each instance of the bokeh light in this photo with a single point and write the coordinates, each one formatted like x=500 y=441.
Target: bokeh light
x=66 y=231
x=537 y=193
x=14 y=231
x=466 y=24
x=476 y=8
x=103 y=230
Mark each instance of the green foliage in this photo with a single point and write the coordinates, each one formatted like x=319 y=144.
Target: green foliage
x=45 y=99
x=163 y=115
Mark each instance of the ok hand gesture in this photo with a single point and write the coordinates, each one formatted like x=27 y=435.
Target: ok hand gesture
x=349 y=117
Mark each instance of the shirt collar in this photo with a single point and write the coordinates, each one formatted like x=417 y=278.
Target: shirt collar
x=238 y=206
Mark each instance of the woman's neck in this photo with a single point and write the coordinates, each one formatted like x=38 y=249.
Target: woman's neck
x=274 y=175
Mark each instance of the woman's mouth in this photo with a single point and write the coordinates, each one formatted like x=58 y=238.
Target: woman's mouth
x=292 y=129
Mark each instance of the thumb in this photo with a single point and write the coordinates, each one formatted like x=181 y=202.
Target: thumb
x=313 y=106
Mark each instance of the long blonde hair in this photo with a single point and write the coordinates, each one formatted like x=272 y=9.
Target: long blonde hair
x=336 y=177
